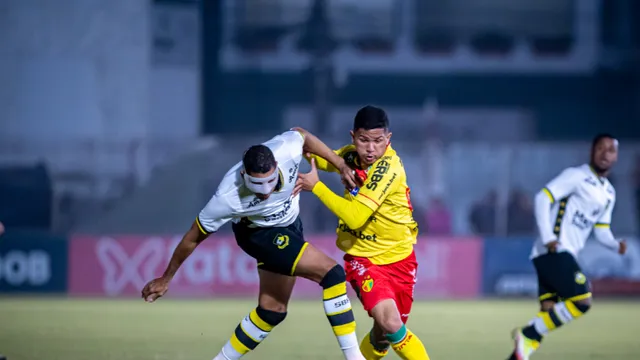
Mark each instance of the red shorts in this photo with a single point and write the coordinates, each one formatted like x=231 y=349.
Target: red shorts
x=375 y=283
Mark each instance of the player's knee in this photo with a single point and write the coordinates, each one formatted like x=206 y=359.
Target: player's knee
x=391 y=324
x=583 y=305
x=333 y=277
x=547 y=305
x=387 y=317
x=271 y=317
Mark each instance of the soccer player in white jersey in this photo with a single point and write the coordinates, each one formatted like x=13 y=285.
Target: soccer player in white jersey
x=260 y=197
x=568 y=209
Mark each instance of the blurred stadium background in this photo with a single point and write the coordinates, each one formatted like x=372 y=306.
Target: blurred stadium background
x=118 y=118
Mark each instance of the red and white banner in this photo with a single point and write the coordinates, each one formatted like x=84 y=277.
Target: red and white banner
x=121 y=265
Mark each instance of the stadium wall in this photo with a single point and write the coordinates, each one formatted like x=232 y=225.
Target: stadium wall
x=118 y=266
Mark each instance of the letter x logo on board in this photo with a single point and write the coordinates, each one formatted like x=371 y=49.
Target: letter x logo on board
x=120 y=269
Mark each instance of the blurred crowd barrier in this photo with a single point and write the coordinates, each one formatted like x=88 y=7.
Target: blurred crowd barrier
x=457 y=188
x=120 y=265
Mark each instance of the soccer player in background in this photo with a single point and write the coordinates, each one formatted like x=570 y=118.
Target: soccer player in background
x=376 y=229
x=572 y=205
x=257 y=195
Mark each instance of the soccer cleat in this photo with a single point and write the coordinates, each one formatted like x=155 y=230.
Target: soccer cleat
x=524 y=346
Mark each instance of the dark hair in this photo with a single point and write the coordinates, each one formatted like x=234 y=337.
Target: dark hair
x=258 y=159
x=370 y=117
x=601 y=136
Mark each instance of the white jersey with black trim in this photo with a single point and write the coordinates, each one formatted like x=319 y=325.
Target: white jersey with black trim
x=233 y=201
x=579 y=201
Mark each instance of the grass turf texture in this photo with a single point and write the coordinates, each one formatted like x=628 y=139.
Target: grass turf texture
x=61 y=329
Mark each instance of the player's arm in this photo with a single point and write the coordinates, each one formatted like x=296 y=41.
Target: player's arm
x=355 y=212
x=560 y=187
x=215 y=214
x=325 y=158
x=352 y=212
x=602 y=229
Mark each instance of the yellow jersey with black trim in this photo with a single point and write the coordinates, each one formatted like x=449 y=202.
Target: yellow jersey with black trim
x=234 y=202
x=581 y=201
x=390 y=233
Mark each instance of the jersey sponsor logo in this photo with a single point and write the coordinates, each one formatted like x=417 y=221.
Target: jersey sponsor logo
x=591 y=181
x=367 y=284
x=358 y=234
x=280 y=214
x=378 y=173
x=386 y=187
x=293 y=172
x=580 y=278
x=581 y=221
x=254 y=202
x=281 y=241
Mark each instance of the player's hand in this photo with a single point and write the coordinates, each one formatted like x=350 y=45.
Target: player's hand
x=623 y=247
x=155 y=289
x=309 y=180
x=349 y=177
x=553 y=246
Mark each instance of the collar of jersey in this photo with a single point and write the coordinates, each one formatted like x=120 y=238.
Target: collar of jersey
x=600 y=178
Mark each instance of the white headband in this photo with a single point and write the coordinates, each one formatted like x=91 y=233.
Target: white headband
x=261 y=185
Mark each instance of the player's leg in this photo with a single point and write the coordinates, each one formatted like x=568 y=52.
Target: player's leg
x=374 y=345
x=524 y=346
x=573 y=288
x=275 y=292
x=386 y=292
x=315 y=265
x=393 y=315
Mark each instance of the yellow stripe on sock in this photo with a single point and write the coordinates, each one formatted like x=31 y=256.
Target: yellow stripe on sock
x=340 y=312
x=334 y=291
x=345 y=329
x=238 y=346
x=580 y=297
x=547 y=321
x=573 y=310
x=261 y=324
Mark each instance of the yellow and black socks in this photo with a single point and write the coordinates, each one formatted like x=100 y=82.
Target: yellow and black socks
x=407 y=345
x=371 y=350
x=337 y=306
x=250 y=332
x=561 y=313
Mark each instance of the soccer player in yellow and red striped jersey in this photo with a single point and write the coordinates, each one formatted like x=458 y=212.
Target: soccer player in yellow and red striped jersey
x=376 y=229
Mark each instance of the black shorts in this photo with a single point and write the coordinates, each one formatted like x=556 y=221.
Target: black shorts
x=560 y=277
x=277 y=249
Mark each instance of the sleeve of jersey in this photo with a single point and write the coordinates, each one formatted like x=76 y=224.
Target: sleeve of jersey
x=294 y=140
x=562 y=185
x=215 y=214
x=353 y=213
x=381 y=181
x=542 y=206
x=323 y=164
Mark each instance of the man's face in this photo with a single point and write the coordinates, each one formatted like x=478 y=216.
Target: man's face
x=370 y=144
x=262 y=185
x=605 y=154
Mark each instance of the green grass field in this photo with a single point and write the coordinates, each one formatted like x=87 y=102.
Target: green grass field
x=59 y=329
